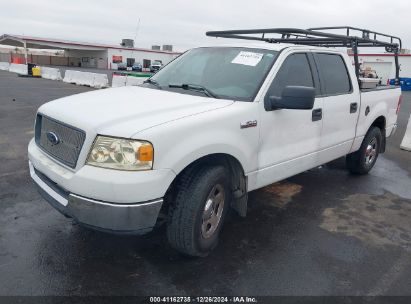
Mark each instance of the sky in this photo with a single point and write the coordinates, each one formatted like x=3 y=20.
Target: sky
x=183 y=23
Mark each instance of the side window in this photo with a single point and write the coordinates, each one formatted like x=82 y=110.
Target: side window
x=295 y=71
x=334 y=75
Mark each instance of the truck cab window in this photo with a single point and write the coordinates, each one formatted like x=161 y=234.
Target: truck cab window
x=229 y=72
x=334 y=75
x=295 y=71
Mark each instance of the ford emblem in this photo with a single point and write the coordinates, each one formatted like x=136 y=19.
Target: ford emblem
x=53 y=138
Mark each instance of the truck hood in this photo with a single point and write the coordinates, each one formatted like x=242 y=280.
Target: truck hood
x=125 y=111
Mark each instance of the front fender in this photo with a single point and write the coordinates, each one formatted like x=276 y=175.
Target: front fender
x=180 y=158
x=181 y=142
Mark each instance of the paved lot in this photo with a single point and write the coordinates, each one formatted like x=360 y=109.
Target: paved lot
x=323 y=232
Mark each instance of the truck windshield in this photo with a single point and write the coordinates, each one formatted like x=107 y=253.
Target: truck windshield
x=227 y=72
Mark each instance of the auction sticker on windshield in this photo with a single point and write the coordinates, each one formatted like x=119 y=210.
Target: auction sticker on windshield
x=248 y=58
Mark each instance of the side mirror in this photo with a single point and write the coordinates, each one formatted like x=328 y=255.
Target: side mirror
x=293 y=98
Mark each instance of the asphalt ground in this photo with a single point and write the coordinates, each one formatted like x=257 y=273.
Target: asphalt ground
x=322 y=232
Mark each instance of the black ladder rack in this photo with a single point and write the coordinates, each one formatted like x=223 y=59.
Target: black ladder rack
x=321 y=36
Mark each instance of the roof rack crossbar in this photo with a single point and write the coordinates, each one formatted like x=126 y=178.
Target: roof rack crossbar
x=290 y=34
x=365 y=33
x=319 y=36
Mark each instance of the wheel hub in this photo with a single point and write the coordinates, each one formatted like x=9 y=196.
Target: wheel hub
x=371 y=151
x=213 y=211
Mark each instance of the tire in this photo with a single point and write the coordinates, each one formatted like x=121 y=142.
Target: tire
x=363 y=160
x=203 y=193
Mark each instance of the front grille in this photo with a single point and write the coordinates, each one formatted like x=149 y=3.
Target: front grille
x=70 y=140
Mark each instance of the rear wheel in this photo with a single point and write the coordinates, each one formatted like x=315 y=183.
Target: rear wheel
x=198 y=212
x=363 y=160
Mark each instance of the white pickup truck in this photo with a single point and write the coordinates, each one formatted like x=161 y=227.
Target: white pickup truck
x=191 y=142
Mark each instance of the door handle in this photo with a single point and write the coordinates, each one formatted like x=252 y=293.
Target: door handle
x=317 y=114
x=353 y=107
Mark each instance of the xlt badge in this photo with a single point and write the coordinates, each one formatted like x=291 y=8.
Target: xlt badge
x=248 y=124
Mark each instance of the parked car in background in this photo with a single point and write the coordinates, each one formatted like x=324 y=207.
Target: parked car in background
x=137 y=67
x=155 y=67
x=121 y=66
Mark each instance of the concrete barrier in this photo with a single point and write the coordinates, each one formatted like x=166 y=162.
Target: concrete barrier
x=119 y=80
x=406 y=142
x=18 y=68
x=94 y=80
x=125 y=79
x=74 y=77
x=133 y=80
x=69 y=76
x=100 y=81
x=4 y=66
x=50 y=73
x=84 y=78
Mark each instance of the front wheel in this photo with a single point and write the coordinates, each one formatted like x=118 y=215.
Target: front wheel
x=363 y=160
x=197 y=215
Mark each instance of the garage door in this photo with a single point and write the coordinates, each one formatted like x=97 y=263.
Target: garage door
x=383 y=69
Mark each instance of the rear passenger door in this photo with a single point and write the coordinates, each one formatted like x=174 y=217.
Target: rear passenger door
x=340 y=108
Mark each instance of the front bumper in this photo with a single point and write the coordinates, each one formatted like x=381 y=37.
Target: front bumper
x=138 y=218
x=122 y=187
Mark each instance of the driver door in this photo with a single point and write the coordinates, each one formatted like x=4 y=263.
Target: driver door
x=290 y=139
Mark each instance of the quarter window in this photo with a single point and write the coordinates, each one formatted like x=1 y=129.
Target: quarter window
x=333 y=73
x=295 y=71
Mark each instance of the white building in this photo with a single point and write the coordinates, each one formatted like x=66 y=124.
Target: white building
x=82 y=54
x=92 y=55
x=384 y=64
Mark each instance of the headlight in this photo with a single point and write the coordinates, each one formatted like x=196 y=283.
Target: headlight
x=121 y=154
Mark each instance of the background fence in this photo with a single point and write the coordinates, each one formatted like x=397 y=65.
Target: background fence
x=45 y=60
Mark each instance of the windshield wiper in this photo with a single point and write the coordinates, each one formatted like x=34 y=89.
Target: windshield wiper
x=195 y=87
x=153 y=82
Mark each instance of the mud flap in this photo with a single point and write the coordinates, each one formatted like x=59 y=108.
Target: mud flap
x=240 y=198
x=384 y=141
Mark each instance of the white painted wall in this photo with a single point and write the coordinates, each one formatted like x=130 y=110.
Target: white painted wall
x=385 y=70
x=385 y=65
x=95 y=59
x=139 y=56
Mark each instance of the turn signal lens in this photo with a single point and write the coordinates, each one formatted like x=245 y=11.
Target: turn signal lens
x=145 y=153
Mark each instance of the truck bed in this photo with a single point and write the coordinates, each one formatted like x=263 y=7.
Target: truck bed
x=380 y=88
x=377 y=102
